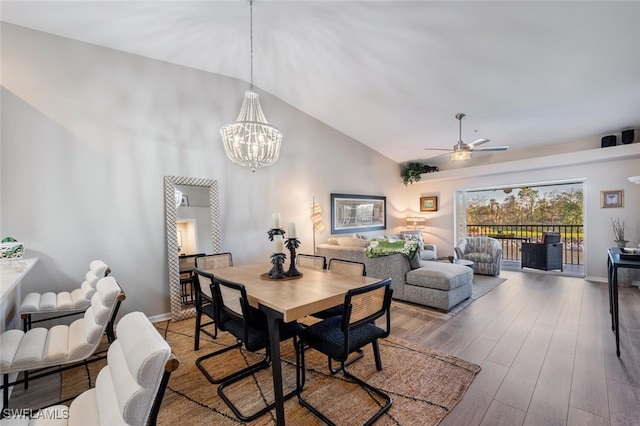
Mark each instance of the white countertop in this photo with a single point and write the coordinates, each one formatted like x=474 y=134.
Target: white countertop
x=11 y=272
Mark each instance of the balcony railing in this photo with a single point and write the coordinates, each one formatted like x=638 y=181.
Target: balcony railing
x=511 y=238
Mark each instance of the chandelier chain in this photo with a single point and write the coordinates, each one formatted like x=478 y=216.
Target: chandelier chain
x=251 y=39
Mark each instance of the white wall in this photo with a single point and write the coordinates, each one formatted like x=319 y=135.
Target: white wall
x=89 y=133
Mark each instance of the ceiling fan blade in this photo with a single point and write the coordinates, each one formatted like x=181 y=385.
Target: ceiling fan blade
x=478 y=142
x=437 y=149
x=492 y=148
x=439 y=155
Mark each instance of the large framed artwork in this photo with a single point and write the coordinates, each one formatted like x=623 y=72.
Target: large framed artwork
x=357 y=213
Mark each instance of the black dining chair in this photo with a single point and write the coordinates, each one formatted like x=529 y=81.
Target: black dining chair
x=347 y=267
x=311 y=261
x=338 y=337
x=203 y=299
x=186 y=265
x=341 y=266
x=249 y=326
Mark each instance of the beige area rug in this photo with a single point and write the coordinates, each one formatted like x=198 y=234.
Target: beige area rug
x=424 y=384
x=482 y=284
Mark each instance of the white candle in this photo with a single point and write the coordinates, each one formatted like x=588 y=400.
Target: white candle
x=278 y=244
x=276 y=221
x=292 y=230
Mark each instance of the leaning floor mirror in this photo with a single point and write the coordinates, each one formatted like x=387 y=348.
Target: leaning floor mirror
x=192 y=215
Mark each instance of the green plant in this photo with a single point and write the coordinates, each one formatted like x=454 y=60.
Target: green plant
x=412 y=172
x=618 y=229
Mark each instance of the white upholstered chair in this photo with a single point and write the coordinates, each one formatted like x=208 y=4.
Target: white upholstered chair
x=61 y=345
x=129 y=389
x=65 y=303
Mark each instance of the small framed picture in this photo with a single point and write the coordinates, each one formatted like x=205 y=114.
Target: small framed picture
x=610 y=199
x=428 y=204
x=184 y=201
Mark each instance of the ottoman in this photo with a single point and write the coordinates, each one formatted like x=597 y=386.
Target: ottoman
x=439 y=285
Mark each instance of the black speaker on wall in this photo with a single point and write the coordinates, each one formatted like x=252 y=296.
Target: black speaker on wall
x=609 y=141
x=627 y=136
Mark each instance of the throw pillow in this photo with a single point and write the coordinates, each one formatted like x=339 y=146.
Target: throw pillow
x=413 y=236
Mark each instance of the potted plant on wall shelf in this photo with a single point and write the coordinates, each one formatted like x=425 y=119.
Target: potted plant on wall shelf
x=618 y=232
x=411 y=173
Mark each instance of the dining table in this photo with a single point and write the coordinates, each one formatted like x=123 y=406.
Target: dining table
x=289 y=299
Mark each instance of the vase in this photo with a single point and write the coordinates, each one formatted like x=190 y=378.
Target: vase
x=621 y=243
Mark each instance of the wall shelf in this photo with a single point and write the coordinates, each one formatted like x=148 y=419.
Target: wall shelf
x=598 y=155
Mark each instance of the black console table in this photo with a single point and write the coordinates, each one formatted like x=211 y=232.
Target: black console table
x=547 y=256
x=614 y=262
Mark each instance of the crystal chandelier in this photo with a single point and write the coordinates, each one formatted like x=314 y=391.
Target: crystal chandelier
x=251 y=141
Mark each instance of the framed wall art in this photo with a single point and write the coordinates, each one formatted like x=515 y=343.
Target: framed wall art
x=357 y=213
x=610 y=199
x=429 y=204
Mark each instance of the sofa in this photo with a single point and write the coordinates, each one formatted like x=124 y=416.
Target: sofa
x=435 y=284
x=484 y=252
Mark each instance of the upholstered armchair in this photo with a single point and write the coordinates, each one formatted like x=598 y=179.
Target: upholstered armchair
x=484 y=252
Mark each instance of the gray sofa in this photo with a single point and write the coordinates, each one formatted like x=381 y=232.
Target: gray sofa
x=435 y=284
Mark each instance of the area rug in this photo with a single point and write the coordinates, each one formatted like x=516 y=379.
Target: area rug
x=424 y=384
x=482 y=284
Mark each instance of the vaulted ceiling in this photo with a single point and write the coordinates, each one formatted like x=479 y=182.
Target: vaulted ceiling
x=393 y=74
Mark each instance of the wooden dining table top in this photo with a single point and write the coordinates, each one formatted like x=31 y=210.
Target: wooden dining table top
x=315 y=291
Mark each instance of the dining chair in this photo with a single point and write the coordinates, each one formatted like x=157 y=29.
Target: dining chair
x=249 y=326
x=186 y=265
x=62 y=346
x=311 y=261
x=341 y=266
x=337 y=337
x=128 y=390
x=65 y=303
x=203 y=299
x=347 y=267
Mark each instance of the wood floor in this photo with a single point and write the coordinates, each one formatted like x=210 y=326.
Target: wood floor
x=546 y=349
x=547 y=353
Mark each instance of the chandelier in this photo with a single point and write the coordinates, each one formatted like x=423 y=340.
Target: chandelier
x=251 y=141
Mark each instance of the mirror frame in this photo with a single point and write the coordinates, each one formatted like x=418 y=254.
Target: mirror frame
x=178 y=310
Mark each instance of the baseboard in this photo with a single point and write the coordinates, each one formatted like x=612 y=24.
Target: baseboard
x=596 y=279
x=161 y=317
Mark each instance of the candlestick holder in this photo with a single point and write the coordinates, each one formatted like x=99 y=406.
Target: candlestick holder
x=277 y=272
x=275 y=231
x=292 y=244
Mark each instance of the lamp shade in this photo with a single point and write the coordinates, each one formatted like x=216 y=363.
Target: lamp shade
x=416 y=222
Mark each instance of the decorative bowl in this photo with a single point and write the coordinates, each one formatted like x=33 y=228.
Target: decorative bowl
x=11 y=251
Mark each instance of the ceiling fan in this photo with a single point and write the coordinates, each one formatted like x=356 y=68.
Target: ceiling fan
x=462 y=151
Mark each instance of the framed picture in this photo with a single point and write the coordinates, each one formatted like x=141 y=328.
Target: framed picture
x=357 y=213
x=428 y=204
x=184 y=202
x=611 y=198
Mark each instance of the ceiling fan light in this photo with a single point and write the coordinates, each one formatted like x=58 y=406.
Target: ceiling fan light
x=460 y=155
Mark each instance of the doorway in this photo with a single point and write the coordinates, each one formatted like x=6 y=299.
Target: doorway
x=524 y=213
